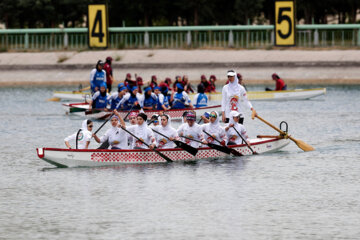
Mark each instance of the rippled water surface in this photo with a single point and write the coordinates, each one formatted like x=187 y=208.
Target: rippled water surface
x=286 y=195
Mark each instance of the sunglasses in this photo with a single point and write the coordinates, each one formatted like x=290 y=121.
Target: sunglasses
x=213 y=115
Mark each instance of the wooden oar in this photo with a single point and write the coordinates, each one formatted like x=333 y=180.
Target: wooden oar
x=54 y=99
x=253 y=152
x=80 y=90
x=233 y=151
x=213 y=146
x=304 y=146
x=159 y=153
x=180 y=144
x=111 y=117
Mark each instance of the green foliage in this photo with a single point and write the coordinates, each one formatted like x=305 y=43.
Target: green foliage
x=70 y=13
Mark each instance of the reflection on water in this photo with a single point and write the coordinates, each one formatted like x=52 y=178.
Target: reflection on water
x=286 y=195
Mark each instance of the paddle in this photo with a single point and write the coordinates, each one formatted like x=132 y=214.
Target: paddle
x=233 y=151
x=180 y=144
x=159 y=153
x=82 y=89
x=111 y=117
x=244 y=141
x=304 y=146
x=213 y=146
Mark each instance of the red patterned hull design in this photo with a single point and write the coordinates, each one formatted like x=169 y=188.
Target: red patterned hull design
x=174 y=113
x=99 y=157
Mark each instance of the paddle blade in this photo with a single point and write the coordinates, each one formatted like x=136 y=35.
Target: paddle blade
x=304 y=146
x=193 y=151
x=235 y=153
x=220 y=148
x=54 y=99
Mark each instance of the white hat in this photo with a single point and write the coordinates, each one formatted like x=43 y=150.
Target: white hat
x=231 y=73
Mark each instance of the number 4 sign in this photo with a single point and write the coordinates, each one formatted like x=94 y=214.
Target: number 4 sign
x=97 y=26
x=284 y=23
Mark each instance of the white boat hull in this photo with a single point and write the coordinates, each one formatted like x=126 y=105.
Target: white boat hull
x=99 y=157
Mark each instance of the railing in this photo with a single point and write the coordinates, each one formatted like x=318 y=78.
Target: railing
x=248 y=36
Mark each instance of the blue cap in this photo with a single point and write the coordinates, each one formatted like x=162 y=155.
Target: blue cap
x=147 y=89
x=207 y=114
x=156 y=88
x=134 y=88
x=103 y=84
x=120 y=85
x=180 y=86
x=122 y=88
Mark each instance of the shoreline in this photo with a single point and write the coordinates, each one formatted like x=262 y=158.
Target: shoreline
x=306 y=67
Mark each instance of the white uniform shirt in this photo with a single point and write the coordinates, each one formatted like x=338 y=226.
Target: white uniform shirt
x=116 y=137
x=233 y=136
x=230 y=101
x=144 y=133
x=194 y=132
x=217 y=132
x=84 y=136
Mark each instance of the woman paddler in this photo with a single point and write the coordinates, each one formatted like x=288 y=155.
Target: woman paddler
x=130 y=99
x=166 y=129
x=214 y=129
x=143 y=132
x=99 y=100
x=116 y=137
x=83 y=136
x=191 y=130
x=232 y=135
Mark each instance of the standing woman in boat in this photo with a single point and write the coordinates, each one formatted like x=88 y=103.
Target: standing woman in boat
x=99 y=100
x=115 y=135
x=191 y=130
x=97 y=77
x=166 y=129
x=109 y=73
x=82 y=136
x=143 y=132
x=214 y=129
x=232 y=94
x=232 y=136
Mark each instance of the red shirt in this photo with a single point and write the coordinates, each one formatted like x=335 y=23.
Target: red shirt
x=108 y=70
x=280 y=84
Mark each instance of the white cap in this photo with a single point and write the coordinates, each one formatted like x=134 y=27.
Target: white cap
x=231 y=73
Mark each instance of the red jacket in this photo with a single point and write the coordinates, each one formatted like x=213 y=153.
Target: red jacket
x=280 y=84
x=108 y=70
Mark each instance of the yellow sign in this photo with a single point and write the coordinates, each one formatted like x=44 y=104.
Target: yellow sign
x=284 y=23
x=97 y=26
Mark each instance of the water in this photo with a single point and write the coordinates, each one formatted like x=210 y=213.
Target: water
x=286 y=195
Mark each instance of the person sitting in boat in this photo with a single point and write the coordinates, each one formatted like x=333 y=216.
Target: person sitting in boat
x=180 y=99
x=191 y=130
x=205 y=82
x=133 y=122
x=115 y=135
x=200 y=99
x=214 y=129
x=130 y=99
x=99 y=100
x=212 y=87
x=232 y=136
x=150 y=99
x=187 y=86
x=205 y=117
x=153 y=82
x=115 y=98
x=97 y=77
x=166 y=83
x=241 y=82
x=128 y=82
x=83 y=136
x=155 y=120
x=143 y=132
x=162 y=102
x=177 y=80
x=232 y=94
x=166 y=129
x=280 y=84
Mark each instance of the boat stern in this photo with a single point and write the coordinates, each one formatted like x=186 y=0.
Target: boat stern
x=40 y=152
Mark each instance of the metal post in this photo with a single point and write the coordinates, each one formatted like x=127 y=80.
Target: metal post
x=358 y=37
x=146 y=39
x=66 y=41
x=316 y=37
x=272 y=37
x=26 y=40
x=231 y=39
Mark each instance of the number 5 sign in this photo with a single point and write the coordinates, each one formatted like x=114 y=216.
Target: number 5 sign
x=284 y=23
x=97 y=26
